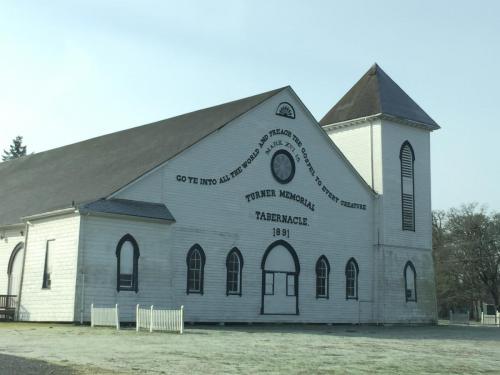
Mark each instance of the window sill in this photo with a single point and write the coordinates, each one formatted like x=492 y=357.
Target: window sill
x=127 y=290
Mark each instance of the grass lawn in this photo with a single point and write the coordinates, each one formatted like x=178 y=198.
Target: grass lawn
x=255 y=349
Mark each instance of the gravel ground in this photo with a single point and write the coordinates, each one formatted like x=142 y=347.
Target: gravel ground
x=306 y=349
x=11 y=365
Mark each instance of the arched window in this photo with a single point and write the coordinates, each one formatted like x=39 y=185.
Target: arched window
x=127 y=264
x=322 y=277
x=195 y=260
x=351 y=279
x=407 y=158
x=410 y=282
x=234 y=266
x=14 y=269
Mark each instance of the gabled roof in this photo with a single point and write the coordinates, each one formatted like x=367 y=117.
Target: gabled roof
x=96 y=168
x=376 y=93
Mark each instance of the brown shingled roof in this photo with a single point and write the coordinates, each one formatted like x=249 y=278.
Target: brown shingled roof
x=376 y=93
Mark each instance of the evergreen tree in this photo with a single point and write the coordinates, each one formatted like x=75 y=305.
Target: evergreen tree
x=16 y=149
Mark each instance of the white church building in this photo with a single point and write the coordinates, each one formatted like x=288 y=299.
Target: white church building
x=249 y=211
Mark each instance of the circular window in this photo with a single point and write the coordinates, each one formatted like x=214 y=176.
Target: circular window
x=282 y=166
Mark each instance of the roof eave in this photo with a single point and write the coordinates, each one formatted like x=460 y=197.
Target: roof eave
x=43 y=215
x=382 y=116
x=355 y=121
x=125 y=216
x=405 y=121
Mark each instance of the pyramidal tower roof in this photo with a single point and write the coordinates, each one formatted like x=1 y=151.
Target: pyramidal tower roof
x=377 y=94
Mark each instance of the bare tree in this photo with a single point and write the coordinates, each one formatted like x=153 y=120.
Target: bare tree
x=466 y=243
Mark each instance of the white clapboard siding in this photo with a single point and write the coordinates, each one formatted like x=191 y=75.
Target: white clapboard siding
x=58 y=302
x=373 y=146
x=220 y=217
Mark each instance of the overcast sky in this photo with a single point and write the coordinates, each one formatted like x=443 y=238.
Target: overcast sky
x=72 y=70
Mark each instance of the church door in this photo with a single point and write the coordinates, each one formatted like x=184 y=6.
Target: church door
x=280 y=279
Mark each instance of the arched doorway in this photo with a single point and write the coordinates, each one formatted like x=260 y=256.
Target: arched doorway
x=14 y=269
x=280 y=280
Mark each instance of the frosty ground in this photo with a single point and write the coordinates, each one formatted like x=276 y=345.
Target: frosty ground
x=27 y=348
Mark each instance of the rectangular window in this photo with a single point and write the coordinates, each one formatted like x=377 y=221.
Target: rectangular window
x=290 y=285
x=47 y=270
x=269 y=285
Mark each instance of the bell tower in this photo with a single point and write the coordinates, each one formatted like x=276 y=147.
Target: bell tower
x=386 y=137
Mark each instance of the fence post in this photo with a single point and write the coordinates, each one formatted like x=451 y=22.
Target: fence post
x=182 y=319
x=117 y=317
x=482 y=317
x=137 y=318
x=92 y=315
x=151 y=320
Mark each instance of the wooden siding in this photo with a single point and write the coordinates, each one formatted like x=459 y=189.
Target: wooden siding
x=393 y=247
x=220 y=217
x=97 y=273
x=56 y=303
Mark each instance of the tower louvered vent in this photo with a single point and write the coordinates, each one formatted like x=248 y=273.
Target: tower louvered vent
x=407 y=186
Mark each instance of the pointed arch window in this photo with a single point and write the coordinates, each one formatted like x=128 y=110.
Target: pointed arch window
x=351 y=279
x=14 y=269
x=407 y=158
x=234 y=267
x=127 y=264
x=322 y=277
x=195 y=261
x=410 y=282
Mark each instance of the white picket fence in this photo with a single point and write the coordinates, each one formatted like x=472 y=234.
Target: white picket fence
x=104 y=316
x=459 y=317
x=160 y=320
x=490 y=319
